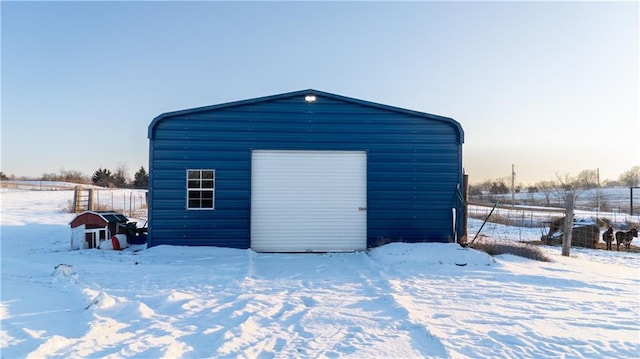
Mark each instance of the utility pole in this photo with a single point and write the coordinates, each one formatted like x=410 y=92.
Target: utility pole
x=598 y=190
x=513 y=185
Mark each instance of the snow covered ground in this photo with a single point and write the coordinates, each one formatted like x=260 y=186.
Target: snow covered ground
x=400 y=300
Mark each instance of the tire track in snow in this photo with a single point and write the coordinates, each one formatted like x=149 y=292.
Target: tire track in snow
x=260 y=322
x=338 y=305
x=327 y=305
x=374 y=276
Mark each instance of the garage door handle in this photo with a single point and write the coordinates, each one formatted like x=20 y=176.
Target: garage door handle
x=362 y=208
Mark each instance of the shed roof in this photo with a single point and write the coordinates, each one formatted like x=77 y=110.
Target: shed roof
x=317 y=93
x=106 y=216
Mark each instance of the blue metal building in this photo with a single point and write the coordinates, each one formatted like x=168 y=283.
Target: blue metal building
x=305 y=171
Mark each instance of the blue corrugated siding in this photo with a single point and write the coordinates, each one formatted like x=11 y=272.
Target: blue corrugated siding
x=414 y=166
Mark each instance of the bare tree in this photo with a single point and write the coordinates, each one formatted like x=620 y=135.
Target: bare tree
x=577 y=185
x=70 y=176
x=631 y=177
x=587 y=179
x=566 y=182
x=547 y=188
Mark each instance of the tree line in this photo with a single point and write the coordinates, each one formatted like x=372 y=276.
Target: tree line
x=118 y=179
x=103 y=177
x=552 y=193
x=586 y=179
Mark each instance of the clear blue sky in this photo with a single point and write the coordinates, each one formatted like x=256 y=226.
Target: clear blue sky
x=550 y=87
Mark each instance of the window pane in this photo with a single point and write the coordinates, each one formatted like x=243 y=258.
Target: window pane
x=207 y=174
x=194 y=174
x=194 y=195
x=193 y=184
x=194 y=203
x=207 y=184
x=207 y=203
x=207 y=194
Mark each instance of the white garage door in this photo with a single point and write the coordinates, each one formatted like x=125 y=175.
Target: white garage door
x=308 y=201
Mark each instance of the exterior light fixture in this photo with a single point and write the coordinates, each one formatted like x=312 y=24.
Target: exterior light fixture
x=310 y=98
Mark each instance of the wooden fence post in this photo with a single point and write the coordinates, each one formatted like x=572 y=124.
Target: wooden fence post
x=76 y=199
x=568 y=224
x=91 y=200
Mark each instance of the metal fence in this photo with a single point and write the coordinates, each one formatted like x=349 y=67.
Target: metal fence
x=540 y=217
x=130 y=202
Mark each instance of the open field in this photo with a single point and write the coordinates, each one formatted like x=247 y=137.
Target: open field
x=611 y=200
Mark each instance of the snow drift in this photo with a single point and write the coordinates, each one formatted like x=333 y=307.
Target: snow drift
x=401 y=300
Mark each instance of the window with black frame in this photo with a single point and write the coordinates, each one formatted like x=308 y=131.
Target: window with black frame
x=201 y=185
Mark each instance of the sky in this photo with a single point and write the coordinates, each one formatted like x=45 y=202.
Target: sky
x=550 y=87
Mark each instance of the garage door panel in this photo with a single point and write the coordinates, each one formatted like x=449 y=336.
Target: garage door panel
x=308 y=201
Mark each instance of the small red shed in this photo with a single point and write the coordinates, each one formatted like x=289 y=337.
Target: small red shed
x=90 y=228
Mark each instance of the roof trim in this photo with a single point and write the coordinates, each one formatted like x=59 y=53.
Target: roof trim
x=161 y=117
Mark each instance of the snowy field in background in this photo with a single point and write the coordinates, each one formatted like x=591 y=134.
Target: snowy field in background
x=615 y=204
x=400 y=300
x=611 y=199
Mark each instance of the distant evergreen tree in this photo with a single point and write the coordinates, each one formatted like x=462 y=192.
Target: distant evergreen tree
x=102 y=177
x=141 y=179
x=120 y=177
x=119 y=180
